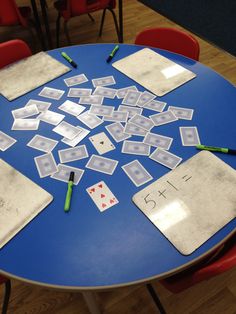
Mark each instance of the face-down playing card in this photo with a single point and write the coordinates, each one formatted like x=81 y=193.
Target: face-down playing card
x=102 y=196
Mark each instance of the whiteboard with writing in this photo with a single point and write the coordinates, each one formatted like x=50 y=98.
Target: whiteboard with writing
x=192 y=202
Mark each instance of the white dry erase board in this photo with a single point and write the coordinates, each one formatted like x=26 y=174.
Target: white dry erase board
x=27 y=74
x=154 y=72
x=192 y=202
x=20 y=201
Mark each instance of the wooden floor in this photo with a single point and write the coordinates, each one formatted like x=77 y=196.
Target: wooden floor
x=216 y=296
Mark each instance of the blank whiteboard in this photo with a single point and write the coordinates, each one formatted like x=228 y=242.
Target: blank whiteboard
x=192 y=202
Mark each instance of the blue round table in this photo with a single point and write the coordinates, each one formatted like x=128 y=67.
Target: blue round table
x=85 y=249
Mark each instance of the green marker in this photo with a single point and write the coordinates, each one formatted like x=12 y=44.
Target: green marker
x=111 y=55
x=69 y=192
x=217 y=149
x=64 y=55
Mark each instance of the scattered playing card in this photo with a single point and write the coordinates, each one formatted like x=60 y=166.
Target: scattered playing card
x=142 y=122
x=63 y=174
x=42 y=143
x=135 y=148
x=25 y=124
x=132 y=111
x=79 y=92
x=133 y=129
x=46 y=165
x=137 y=173
x=101 y=110
x=182 y=113
x=121 y=93
x=102 y=196
x=72 y=154
x=102 y=164
x=131 y=98
x=155 y=105
x=90 y=120
x=75 y=80
x=72 y=108
x=41 y=105
x=165 y=158
x=51 y=117
x=104 y=81
x=52 y=93
x=91 y=100
x=67 y=130
x=25 y=112
x=144 y=98
x=102 y=143
x=116 y=130
x=189 y=136
x=117 y=116
x=163 y=117
x=6 y=141
x=157 y=140
x=105 y=92
x=78 y=138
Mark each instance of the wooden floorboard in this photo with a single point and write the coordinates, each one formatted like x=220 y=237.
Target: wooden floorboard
x=215 y=296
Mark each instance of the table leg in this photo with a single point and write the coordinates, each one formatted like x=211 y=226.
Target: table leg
x=121 y=20
x=91 y=302
x=37 y=24
x=46 y=24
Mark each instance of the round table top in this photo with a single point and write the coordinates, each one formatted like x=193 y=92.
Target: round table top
x=84 y=248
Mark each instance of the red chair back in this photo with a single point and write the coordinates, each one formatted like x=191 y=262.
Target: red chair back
x=13 y=50
x=170 y=39
x=10 y=14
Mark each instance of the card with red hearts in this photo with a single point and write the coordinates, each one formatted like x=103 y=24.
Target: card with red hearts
x=102 y=196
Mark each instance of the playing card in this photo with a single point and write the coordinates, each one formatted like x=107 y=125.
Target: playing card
x=102 y=164
x=142 y=122
x=102 y=143
x=144 y=98
x=79 y=92
x=137 y=173
x=105 y=92
x=117 y=116
x=91 y=100
x=101 y=110
x=165 y=158
x=104 y=81
x=72 y=108
x=67 y=130
x=25 y=112
x=75 y=80
x=157 y=140
x=41 y=105
x=182 y=113
x=51 y=117
x=46 y=165
x=72 y=154
x=25 y=124
x=155 y=105
x=6 y=141
x=135 y=148
x=116 y=130
x=63 y=174
x=121 y=93
x=133 y=129
x=163 y=117
x=132 y=111
x=131 y=98
x=102 y=196
x=90 y=120
x=52 y=93
x=78 y=138
x=189 y=136
x=42 y=143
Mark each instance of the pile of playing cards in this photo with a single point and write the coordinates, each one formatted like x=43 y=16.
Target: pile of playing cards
x=90 y=107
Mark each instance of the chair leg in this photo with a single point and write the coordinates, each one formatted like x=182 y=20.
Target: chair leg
x=155 y=298
x=91 y=18
x=67 y=33
x=116 y=24
x=102 y=22
x=58 y=30
x=6 y=296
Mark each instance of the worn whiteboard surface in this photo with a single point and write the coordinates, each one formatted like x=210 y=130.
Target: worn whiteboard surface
x=20 y=201
x=192 y=202
x=27 y=74
x=154 y=72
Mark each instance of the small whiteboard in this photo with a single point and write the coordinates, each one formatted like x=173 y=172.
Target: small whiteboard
x=192 y=202
x=20 y=201
x=154 y=72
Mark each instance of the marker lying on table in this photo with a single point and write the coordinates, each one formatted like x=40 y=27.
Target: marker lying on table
x=64 y=55
x=217 y=149
x=69 y=192
x=111 y=55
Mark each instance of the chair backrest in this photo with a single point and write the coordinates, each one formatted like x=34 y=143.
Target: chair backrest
x=10 y=14
x=13 y=50
x=76 y=7
x=170 y=39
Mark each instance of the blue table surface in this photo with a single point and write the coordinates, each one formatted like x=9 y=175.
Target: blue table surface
x=88 y=249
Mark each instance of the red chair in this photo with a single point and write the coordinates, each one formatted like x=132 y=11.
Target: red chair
x=71 y=8
x=13 y=50
x=219 y=262
x=7 y=282
x=170 y=39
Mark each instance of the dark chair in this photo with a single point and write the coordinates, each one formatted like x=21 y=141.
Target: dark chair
x=72 y=8
x=220 y=261
x=7 y=283
x=13 y=50
x=170 y=39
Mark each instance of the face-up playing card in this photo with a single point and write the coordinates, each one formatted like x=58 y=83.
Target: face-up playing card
x=25 y=112
x=144 y=98
x=52 y=93
x=102 y=164
x=102 y=143
x=132 y=111
x=51 y=117
x=131 y=98
x=182 y=113
x=117 y=116
x=41 y=105
x=116 y=130
x=72 y=108
x=163 y=117
x=165 y=158
x=105 y=92
x=6 y=141
x=102 y=196
x=67 y=130
x=157 y=140
x=78 y=138
x=46 y=165
x=104 y=81
x=101 y=110
x=75 y=80
x=63 y=174
x=79 y=92
x=137 y=173
x=72 y=154
x=134 y=129
x=25 y=124
x=135 y=148
x=42 y=143
x=121 y=93
x=155 y=105
x=189 y=136
x=90 y=120
x=142 y=122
